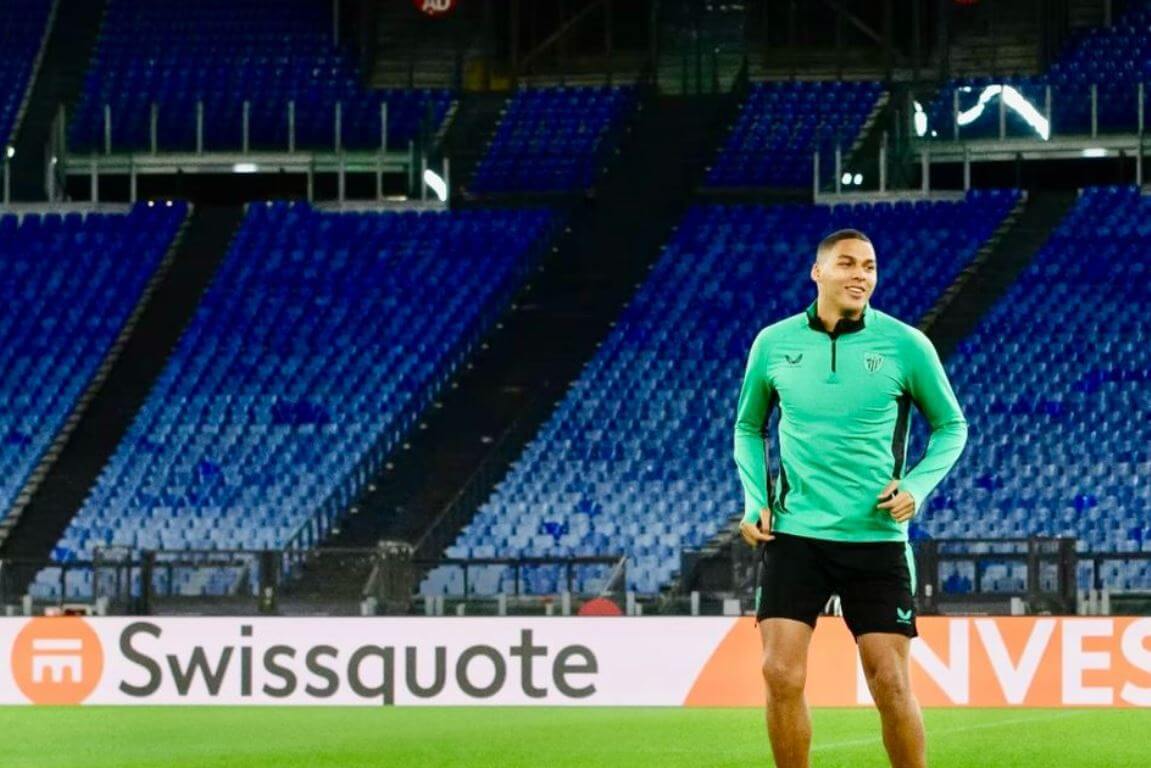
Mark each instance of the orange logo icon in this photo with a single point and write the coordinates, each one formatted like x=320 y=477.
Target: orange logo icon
x=57 y=660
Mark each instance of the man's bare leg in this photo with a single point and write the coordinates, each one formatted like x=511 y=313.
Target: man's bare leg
x=785 y=643
x=885 y=664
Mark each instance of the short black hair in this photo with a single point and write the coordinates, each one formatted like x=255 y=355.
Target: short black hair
x=838 y=236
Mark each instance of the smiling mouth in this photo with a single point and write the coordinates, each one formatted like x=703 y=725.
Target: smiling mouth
x=856 y=292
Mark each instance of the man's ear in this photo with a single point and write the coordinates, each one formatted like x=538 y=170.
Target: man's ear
x=816 y=272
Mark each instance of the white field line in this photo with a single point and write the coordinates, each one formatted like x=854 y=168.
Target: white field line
x=933 y=733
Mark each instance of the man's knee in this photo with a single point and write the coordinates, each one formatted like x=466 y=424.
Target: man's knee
x=888 y=684
x=784 y=680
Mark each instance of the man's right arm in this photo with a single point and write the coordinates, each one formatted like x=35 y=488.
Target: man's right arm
x=750 y=432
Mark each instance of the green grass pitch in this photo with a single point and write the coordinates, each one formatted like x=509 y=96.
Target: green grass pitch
x=242 y=737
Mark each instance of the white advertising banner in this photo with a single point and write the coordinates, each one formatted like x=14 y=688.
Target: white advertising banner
x=585 y=661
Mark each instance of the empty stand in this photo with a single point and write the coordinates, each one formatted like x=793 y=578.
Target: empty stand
x=1114 y=59
x=1054 y=382
x=223 y=53
x=636 y=459
x=70 y=282
x=321 y=339
x=553 y=139
x=781 y=125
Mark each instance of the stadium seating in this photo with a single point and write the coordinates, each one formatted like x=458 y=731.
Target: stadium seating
x=781 y=125
x=553 y=139
x=636 y=459
x=22 y=27
x=68 y=285
x=320 y=341
x=223 y=53
x=1054 y=382
x=1115 y=59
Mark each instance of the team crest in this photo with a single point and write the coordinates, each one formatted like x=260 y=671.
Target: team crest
x=873 y=361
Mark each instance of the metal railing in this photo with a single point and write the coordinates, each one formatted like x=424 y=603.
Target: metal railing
x=367 y=581
x=1050 y=567
x=518 y=565
x=248 y=581
x=445 y=528
x=1032 y=111
x=200 y=151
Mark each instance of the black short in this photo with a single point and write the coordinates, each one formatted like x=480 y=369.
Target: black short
x=874 y=581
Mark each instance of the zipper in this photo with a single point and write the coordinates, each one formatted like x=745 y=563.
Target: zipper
x=833 y=339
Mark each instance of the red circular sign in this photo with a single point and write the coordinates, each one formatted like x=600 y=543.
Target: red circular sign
x=434 y=7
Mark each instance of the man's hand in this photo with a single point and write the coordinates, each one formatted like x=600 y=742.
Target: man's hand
x=900 y=504
x=753 y=533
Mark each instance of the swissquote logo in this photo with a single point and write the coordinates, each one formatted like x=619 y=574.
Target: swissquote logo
x=57 y=660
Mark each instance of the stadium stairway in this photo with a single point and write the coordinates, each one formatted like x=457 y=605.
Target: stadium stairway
x=61 y=76
x=725 y=561
x=415 y=50
x=996 y=40
x=1086 y=13
x=469 y=134
x=993 y=272
x=57 y=497
x=467 y=440
x=702 y=46
x=863 y=155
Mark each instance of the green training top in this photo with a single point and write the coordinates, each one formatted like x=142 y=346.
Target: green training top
x=845 y=400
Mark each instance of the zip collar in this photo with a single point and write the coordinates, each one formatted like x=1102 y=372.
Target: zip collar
x=842 y=326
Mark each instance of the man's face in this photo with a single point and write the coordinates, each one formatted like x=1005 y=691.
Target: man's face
x=846 y=276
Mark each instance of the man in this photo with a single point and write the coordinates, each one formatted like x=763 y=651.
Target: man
x=834 y=521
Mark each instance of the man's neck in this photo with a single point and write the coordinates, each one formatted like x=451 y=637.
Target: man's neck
x=829 y=316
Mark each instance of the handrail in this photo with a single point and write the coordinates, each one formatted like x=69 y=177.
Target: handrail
x=462 y=504
x=555 y=37
x=619 y=573
x=37 y=63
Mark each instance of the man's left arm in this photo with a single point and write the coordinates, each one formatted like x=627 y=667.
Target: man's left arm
x=928 y=386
